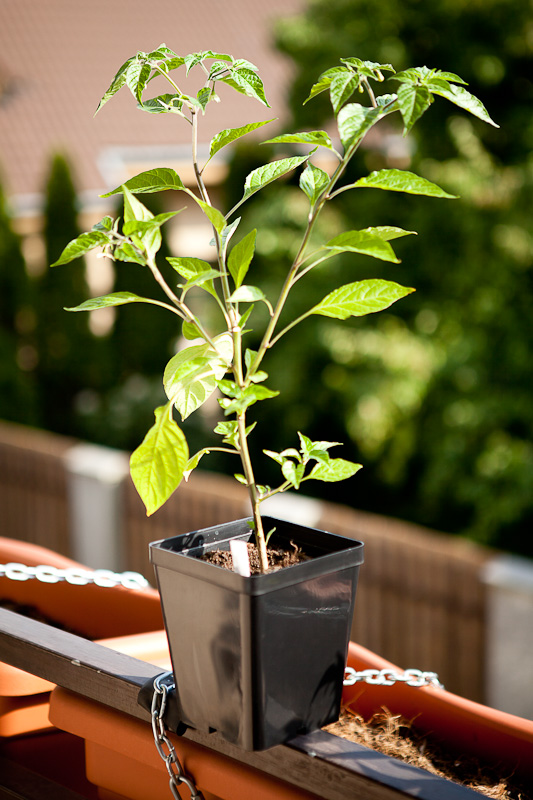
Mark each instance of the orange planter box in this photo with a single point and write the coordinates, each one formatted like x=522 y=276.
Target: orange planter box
x=112 y=616
x=121 y=757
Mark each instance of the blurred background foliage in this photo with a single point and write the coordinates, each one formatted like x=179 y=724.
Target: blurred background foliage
x=436 y=398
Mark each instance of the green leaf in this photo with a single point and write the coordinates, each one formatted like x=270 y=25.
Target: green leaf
x=249 y=83
x=200 y=280
x=341 y=89
x=462 y=98
x=354 y=121
x=190 y=376
x=317 y=450
x=389 y=232
x=362 y=242
x=157 y=465
x=242 y=398
x=250 y=294
x=117 y=83
x=193 y=462
x=148 y=240
x=324 y=81
x=313 y=181
x=142 y=226
x=105 y=224
x=128 y=252
x=241 y=256
x=153 y=180
x=230 y=135
x=190 y=331
x=195 y=270
x=214 y=216
x=413 y=101
x=115 y=299
x=399 y=180
x=262 y=176
x=370 y=69
x=293 y=473
x=163 y=104
x=320 y=138
x=81 y=245
x=336 y=469
x=137 y=76
x=360 y=298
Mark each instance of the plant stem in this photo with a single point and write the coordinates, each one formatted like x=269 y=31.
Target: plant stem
x=232 y=319
x=252 y=491
x=184 y=310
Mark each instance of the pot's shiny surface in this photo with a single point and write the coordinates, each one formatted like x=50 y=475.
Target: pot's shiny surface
x=259 y=659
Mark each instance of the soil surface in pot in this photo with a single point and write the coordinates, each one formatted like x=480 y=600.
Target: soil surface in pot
x=277 y=558
x=398 y=738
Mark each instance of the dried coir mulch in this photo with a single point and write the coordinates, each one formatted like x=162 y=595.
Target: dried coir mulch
x=398 y=738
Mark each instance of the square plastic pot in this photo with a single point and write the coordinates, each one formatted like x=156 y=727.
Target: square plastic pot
x=259 y=659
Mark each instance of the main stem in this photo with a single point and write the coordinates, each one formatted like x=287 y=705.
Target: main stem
x=232 y=319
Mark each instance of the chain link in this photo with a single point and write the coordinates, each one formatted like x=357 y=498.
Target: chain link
x=162 y=742
x=387 y=677
x=74 y=575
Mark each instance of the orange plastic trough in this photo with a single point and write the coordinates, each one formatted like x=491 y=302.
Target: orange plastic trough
x=112 y=616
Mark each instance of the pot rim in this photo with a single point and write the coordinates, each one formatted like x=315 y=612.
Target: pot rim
x=332 y=553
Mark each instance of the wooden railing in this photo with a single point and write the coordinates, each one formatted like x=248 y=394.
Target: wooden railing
x=326 y=766
x=420 y=602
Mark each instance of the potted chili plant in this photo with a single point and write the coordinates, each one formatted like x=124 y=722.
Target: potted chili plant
x=237 y=640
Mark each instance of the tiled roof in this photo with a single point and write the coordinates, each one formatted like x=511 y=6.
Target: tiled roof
x=57 y=57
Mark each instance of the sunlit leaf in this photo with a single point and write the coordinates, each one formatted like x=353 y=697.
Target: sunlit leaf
x=462 y=98
x=354 y=121
x=341 y=89
x=360 y=298
x=389 y=232
x=262 y=176
x=306 y=137
x=81 y=245
x=153 y=180
x=163 y=104
x=362 y=242
x=157 y=465
x=399 y=180
x=230 y=135
x=336 y=469
x=413 y=101
x=195 y=271
x=190 y=376
x=249 y=83
x=324 y=81
x=115 y=299
x=313 y=182
x=117 y=83
x=241 y=256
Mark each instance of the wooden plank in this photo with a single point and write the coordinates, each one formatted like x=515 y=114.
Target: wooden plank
x=323 y=764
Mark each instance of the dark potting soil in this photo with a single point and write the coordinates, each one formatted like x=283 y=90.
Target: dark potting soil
x=277 y=558
x=398 y=738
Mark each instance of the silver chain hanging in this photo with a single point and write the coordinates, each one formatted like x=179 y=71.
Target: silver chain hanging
x=388 y=677
x=162 y=742
x=74 y=575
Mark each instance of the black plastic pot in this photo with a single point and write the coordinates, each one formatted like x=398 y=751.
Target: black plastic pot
x=259 y=659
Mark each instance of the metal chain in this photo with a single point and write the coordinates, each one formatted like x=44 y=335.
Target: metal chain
x=174 y=768
x=387 y=677
x=74 y=575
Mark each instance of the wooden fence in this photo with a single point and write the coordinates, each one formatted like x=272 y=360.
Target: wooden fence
x=420 y=601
